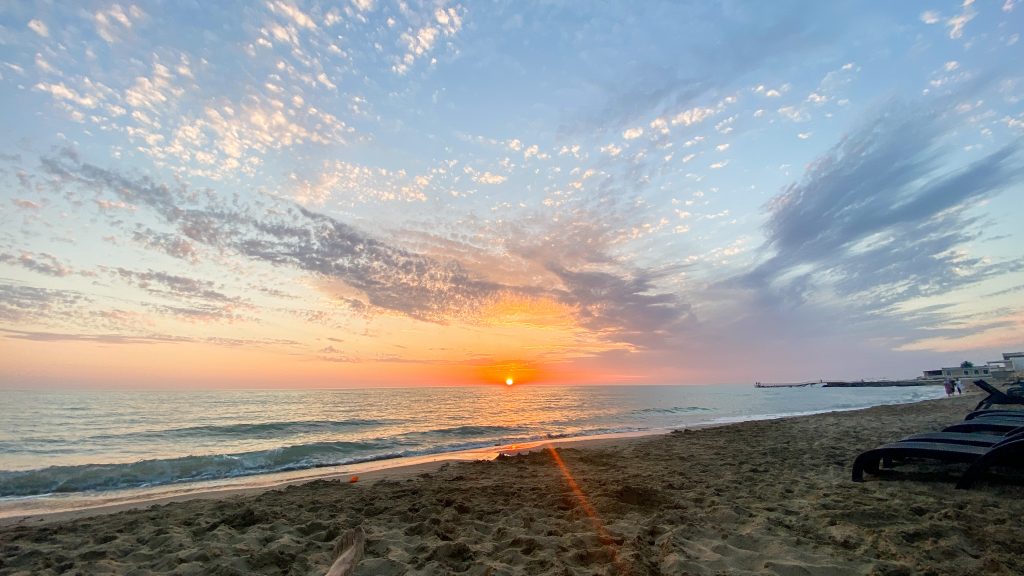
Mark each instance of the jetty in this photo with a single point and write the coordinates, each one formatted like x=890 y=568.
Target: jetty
x=784 y=384
x=878 y=383
x=849 y=383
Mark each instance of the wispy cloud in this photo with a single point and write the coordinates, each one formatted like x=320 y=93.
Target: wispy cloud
x=175 y=285
x=672 y=81
x=882 y=215
x=626 y=309
x=39 y=27
x=116 y=21
x=42 y=263
x=22 y=304
x=621 y=307
x=122 y=338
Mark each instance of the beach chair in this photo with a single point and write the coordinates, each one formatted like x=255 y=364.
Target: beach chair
x=994 y=413
x=992 y=424
x=995 y=396
x=1008 y=451
x=972 y=438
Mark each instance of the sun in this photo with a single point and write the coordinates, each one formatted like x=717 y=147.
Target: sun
x=509 y=381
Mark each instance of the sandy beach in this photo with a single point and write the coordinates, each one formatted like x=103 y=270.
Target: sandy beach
x=770 y=497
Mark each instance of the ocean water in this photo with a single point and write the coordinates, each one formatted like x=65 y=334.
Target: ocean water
x=65 y=450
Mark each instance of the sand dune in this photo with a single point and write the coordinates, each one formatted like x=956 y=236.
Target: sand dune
x=755 y=498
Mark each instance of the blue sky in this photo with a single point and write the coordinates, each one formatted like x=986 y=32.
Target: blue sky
x=372 y=192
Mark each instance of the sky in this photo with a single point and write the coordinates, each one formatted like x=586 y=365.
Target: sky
x=377 y=193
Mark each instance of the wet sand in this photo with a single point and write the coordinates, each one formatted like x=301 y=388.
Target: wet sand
x=772 y=497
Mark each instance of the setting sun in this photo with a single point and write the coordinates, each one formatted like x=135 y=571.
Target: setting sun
x=510 y=372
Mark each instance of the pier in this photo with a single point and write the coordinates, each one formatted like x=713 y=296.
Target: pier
x=879 y=383
x=849 y=383
x=784 y=384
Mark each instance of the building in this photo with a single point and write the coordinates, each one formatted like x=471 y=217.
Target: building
x=1014 y=361
x=997 y=370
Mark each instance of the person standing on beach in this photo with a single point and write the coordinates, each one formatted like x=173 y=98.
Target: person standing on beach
x=959 y=387
x=949 y=387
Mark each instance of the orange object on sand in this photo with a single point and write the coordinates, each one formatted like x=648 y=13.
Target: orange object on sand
x=353 y=479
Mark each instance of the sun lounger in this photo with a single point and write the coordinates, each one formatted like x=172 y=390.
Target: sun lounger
x=1009 y=451
x=972 y=438
x=994 y=413
x=995 y=396
x=993 y=424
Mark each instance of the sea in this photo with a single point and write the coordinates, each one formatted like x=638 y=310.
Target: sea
x=69 y=450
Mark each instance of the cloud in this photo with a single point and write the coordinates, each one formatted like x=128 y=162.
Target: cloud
x=695 y=69
x=25 y=204
x=633 y=133
x=118 y=338
x=882 y=217
x=420 y=43
x=488 y=178
x=957 y=23
x=692 y=116
x=352 y=183
x=170 y=244
x=611 y=150
x=199 y=313
x=22 y=304
x=42 y=336
x=42 y=263
x=363 y=5
x=113 y=22
x=627 y=309
x=62 y=92
x=288 y=235
x=794 y=114
x=293 y=13
x=621 y=307
x=39 y=27
x=179 y=286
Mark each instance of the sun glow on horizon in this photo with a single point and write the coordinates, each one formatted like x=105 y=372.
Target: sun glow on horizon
x=509 y=381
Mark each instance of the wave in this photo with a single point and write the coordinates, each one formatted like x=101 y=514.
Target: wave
x=149 y=473
x=88 y=477
x=672 y=410
x=250 y=430
x=473 y=431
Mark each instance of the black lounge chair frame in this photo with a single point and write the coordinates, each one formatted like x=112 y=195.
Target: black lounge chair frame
x=979 y=457
x=1004 y=426
x=986 y=413
x=995 y=396
x=971 y=438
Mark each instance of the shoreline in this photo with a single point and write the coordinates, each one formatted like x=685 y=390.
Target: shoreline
x=757 y=497
x=114 y=501
x=385 y=469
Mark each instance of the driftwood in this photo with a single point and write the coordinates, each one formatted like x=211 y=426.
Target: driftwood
x=348 y=552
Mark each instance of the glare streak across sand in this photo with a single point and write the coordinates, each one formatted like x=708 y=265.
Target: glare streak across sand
x=606 y=539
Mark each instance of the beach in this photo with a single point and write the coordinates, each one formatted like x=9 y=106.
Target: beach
x=762 y=497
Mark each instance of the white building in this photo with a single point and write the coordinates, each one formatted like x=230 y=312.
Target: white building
x=999 y=370
x=1014 y=360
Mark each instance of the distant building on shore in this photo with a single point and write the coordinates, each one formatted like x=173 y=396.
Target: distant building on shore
x=1015 y=360
x=994 y=369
